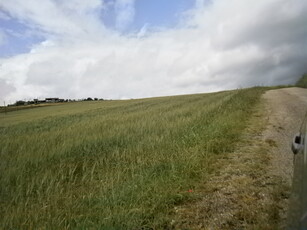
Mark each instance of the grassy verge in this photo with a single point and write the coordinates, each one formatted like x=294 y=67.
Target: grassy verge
x=114 y=165
x=240 y=192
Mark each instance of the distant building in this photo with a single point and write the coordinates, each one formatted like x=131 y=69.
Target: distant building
x=54 y=100
x=37 y=101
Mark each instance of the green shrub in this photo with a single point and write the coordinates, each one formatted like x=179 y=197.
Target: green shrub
x=302 y=82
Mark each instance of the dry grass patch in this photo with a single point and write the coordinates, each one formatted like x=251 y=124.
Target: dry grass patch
x=240 y=192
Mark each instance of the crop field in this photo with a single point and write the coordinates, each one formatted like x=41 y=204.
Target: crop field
x=114 y=164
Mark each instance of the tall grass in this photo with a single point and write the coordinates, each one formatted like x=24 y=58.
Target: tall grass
x=113 y=164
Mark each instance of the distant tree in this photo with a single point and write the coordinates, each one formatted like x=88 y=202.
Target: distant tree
x=20 y=103
x=96 y=99
x=302 y=82
x=89 y=99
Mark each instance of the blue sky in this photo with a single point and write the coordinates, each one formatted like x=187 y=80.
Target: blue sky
x=19 y=37
x=160 y=13
x=143 y=48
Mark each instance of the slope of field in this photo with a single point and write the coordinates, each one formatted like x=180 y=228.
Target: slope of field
x=114 y=164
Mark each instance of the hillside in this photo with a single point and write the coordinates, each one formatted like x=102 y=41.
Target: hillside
x=115 y=164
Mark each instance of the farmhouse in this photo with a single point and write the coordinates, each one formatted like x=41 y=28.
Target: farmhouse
x=37 y=101
x=54 y=100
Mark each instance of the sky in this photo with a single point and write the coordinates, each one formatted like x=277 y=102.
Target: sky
x=122 y=49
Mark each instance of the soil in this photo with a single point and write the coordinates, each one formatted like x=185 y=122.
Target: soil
x=249 y=189
x=285 y=111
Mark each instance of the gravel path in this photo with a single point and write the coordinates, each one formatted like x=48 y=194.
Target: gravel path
x=251 y=187
x=285 y=111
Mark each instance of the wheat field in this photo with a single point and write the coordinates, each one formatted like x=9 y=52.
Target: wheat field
x=114 y=164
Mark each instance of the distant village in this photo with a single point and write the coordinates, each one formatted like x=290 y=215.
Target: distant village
x=52 y=100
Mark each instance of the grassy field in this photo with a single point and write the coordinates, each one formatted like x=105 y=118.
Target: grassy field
x=114 y=164
x=6 y=109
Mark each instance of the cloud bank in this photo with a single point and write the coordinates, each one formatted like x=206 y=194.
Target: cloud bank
x=217 y=46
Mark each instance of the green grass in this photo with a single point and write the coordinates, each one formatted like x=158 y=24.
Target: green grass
x=302 y=82
x=113 y=164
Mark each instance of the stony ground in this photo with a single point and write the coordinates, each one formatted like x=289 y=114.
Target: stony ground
x=251 y=187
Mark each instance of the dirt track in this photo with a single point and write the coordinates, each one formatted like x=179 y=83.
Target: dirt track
x=285 y=111
x=252 y=186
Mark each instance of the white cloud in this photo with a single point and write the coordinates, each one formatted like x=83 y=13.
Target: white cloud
x=224 y=45
x=60 y=18
x=200 y=3
x=143 y=31
x=124 y=13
